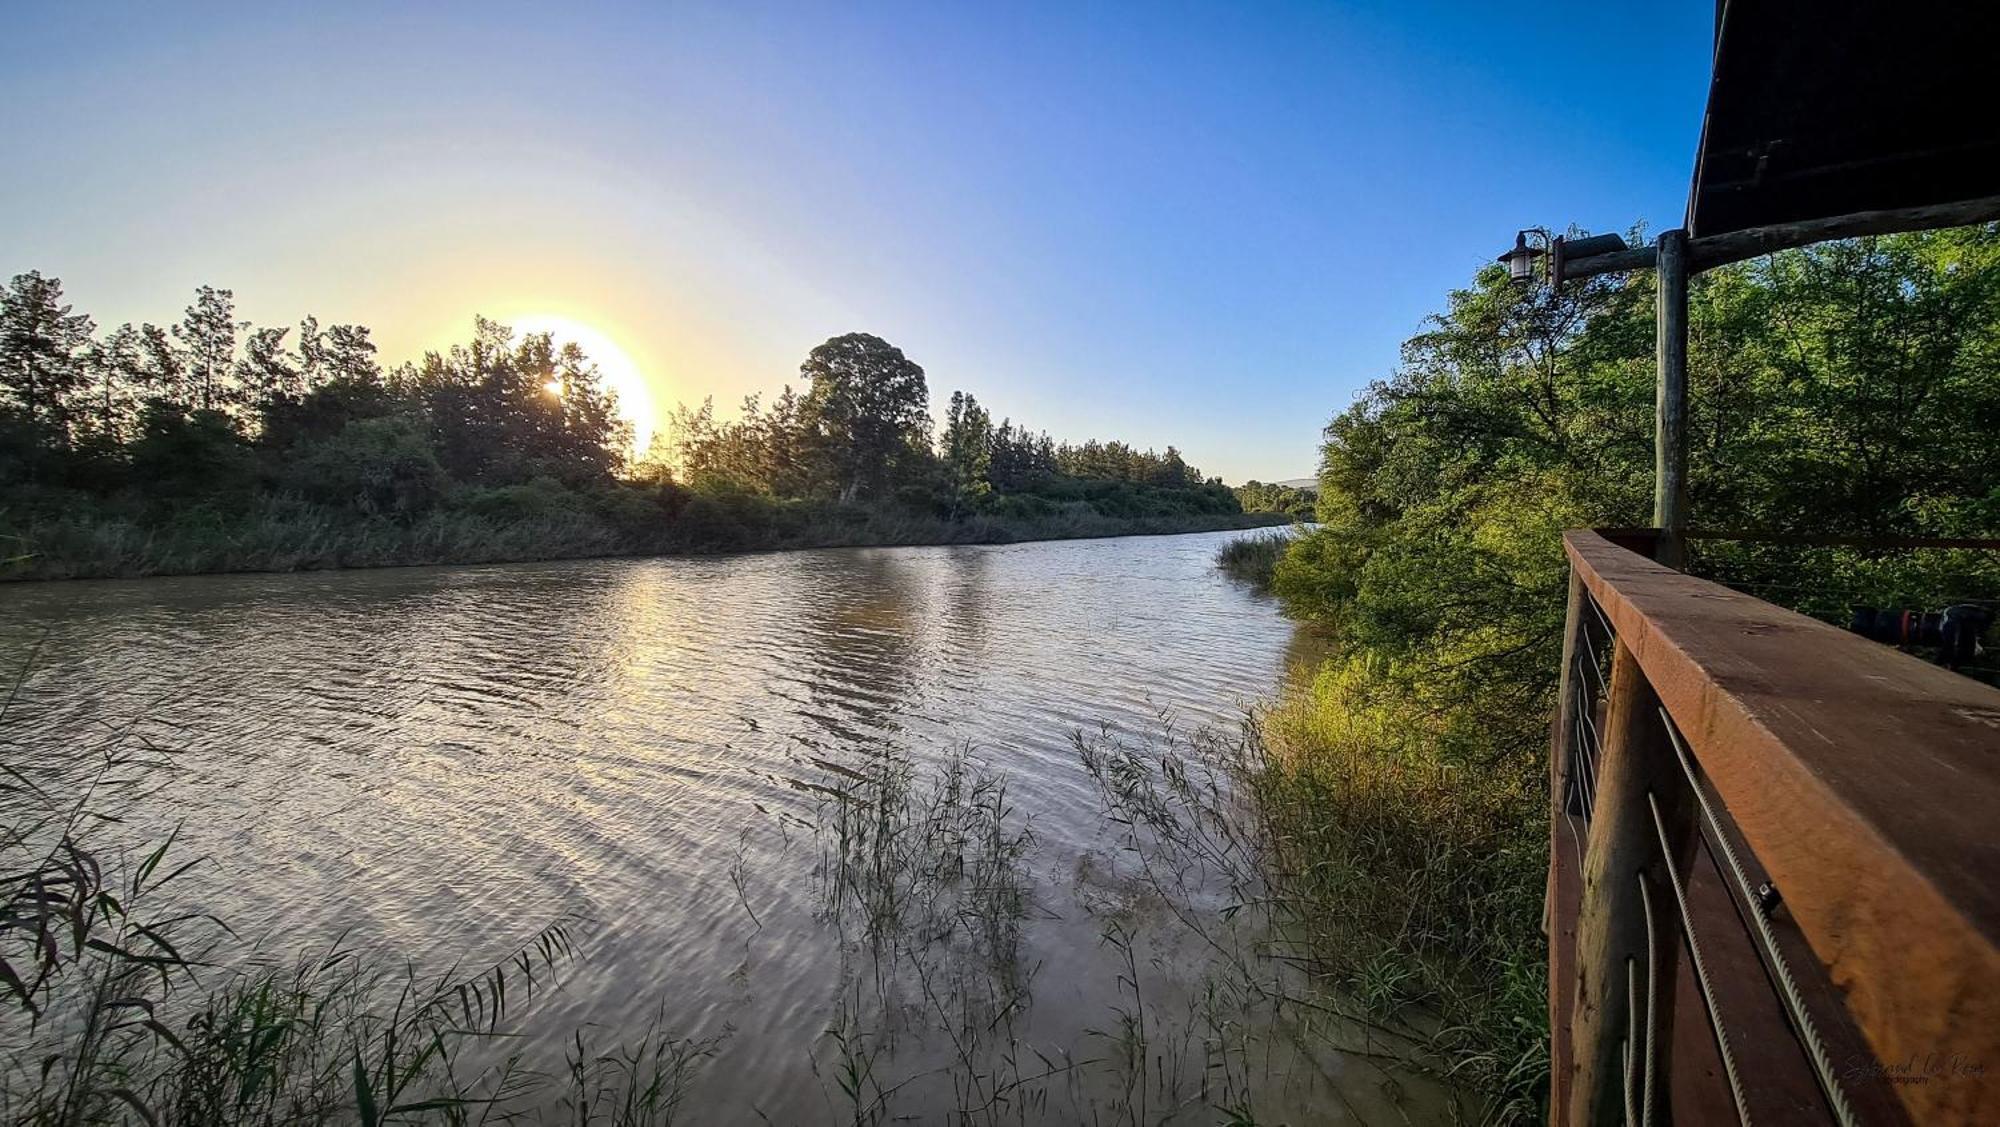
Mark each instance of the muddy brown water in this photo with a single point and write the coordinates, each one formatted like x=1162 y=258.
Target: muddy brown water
x=437 y=762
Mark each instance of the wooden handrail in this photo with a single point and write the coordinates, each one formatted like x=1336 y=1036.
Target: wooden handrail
x=1633 y=537
x=1868 y=784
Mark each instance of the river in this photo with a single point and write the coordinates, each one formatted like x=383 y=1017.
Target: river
x=435 y=763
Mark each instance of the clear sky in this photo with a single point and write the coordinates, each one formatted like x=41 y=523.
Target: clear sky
x=1205 y=225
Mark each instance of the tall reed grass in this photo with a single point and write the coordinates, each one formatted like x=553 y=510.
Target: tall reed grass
x=1254 y=559
x=1410 y=872
x=1196 y=828
x=117 y=1005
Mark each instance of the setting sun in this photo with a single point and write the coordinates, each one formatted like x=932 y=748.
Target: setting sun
x=621 y=374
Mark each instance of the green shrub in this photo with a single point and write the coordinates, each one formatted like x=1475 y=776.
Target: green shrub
x=535 y=499
x=373 y=466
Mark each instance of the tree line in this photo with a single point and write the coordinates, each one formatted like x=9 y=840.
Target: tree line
x=1275 y=497
x=210 y=417
x=863 y=429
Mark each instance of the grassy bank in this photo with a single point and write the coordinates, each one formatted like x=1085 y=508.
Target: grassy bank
x=1410 y=870
x=1402 y=822
x=287 y=534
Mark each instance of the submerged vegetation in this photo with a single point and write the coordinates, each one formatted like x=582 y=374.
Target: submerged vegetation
x=115 y=1008
x=1404 y=788
x=211 y=446
x=123 y=1005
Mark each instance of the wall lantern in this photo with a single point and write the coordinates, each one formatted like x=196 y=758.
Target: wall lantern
x=1521 y=260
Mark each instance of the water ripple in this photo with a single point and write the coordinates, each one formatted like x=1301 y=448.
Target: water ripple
x=446 y=759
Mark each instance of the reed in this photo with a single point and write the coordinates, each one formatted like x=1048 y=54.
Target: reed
x=1410 y=874
x=117 y=1006
x=1254 y=559
x=1356 y=889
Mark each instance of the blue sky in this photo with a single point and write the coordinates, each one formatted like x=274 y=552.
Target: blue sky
x=1205 y=225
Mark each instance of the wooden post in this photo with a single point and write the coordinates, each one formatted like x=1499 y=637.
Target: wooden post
x=1670 y=404
x=1636 y=760
x=1562 y=736
x=1560 y=896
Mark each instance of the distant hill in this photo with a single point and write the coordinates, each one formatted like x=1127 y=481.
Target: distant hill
x=1301 y=482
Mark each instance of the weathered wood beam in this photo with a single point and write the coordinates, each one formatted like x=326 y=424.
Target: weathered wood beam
x=1670 y=405
x=1710 y=251
x=1638 y=258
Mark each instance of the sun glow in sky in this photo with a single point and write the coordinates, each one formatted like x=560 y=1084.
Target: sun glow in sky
x=618 y=370
x=1200 y=224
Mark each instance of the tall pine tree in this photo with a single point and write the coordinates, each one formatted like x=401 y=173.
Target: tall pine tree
x=44 y=353
x=207 y=335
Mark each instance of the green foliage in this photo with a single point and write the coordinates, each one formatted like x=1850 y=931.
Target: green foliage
x=372 y=466
x=967 y=451
x=503 y=411
x=1850 y=387
x=1259 y=497
x=181 y=454
x=43 y=353
x=866 y=413
x=207 y=337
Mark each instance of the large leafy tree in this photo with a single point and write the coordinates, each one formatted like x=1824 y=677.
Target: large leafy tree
x=868 y=409
x=505 y=411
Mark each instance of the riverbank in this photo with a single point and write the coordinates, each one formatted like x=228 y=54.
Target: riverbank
x=1405 y=847
x=283 y=535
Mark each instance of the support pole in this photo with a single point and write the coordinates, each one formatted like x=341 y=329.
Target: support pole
x=1636 y=761
x=1670 y=406
x=1559 y=904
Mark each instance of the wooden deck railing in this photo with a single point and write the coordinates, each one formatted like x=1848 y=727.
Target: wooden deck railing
x=1774 y=886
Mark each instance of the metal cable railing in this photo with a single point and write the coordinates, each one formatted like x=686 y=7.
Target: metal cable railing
x=1753 y=909
x=1719 y=932
x=1693 y=940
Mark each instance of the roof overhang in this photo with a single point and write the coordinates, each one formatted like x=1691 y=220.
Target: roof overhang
x=1825 y=108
